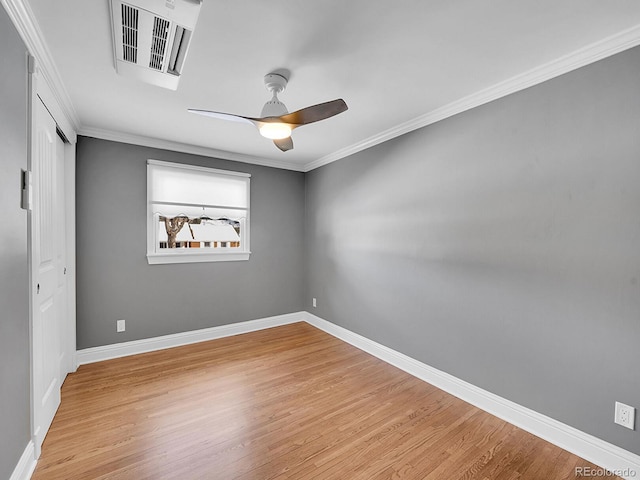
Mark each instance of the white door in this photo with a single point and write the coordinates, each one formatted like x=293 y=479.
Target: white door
x=47 y=272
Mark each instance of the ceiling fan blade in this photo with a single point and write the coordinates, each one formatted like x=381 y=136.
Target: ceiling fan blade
x=284 y=144
x=224 y=116
x=315 y=113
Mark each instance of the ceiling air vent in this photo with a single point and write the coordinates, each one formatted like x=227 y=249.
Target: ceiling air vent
x=158 y=42
x=129 y=34
x=151 y=38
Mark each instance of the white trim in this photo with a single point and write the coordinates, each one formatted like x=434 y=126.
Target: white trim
x=25 y=22
x=591 y=53
x=107 y=352
x=70 y=240
x=23 y=18
x=595 y=450
x=584 y=56
x=143 y=141
x=26 y=465
x=185 y=256
x=586 y=446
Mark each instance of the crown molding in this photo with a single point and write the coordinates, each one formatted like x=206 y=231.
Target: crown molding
x=25 y=22
x=184 y=148
x=591 y=53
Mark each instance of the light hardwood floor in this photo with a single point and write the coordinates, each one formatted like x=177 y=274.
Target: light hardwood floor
x=290 y=402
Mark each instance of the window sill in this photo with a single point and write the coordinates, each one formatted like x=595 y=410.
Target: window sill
x=185 y=256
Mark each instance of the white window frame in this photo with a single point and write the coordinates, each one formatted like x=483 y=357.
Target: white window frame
x=189 y=255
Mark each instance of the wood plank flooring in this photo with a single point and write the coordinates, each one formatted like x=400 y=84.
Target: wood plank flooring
x=290 y=402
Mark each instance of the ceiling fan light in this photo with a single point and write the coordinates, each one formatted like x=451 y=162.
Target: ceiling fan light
x=275 y=131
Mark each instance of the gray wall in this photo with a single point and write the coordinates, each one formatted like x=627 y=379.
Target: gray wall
x=14 y=280
x=115 y=282
x=501 y=245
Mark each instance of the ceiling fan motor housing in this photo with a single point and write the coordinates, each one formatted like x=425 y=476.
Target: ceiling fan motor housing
x=276 y=84
x=274 y=108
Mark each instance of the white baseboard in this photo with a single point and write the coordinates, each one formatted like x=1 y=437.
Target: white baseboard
x=117 y=350
x=610 y=457
x=26 y=465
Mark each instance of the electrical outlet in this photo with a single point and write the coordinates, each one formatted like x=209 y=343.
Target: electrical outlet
x=120 y=326
x=625 y=415
x=314 y=302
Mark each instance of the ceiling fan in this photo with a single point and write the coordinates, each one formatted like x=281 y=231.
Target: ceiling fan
x=275 y=122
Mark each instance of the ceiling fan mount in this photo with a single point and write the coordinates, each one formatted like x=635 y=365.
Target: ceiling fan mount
x=275 y=83
x=275 y=121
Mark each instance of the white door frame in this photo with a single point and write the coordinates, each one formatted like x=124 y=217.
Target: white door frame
x=39 y=90
x=70 y=228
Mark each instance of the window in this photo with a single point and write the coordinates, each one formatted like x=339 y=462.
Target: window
x=196 y=214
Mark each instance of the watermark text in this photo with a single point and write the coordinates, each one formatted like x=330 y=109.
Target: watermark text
x=603 y=472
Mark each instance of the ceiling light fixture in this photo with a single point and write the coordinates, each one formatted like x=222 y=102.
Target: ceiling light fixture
x=275 y=130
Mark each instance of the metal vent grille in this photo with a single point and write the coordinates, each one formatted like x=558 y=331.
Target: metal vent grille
x=159 y=42
x=151 y=46
x=129 y=33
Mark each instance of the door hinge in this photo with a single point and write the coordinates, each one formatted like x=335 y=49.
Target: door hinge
x=31 y=64
x=27 y=191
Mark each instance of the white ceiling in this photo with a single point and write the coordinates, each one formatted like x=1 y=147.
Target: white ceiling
x=396 y=64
